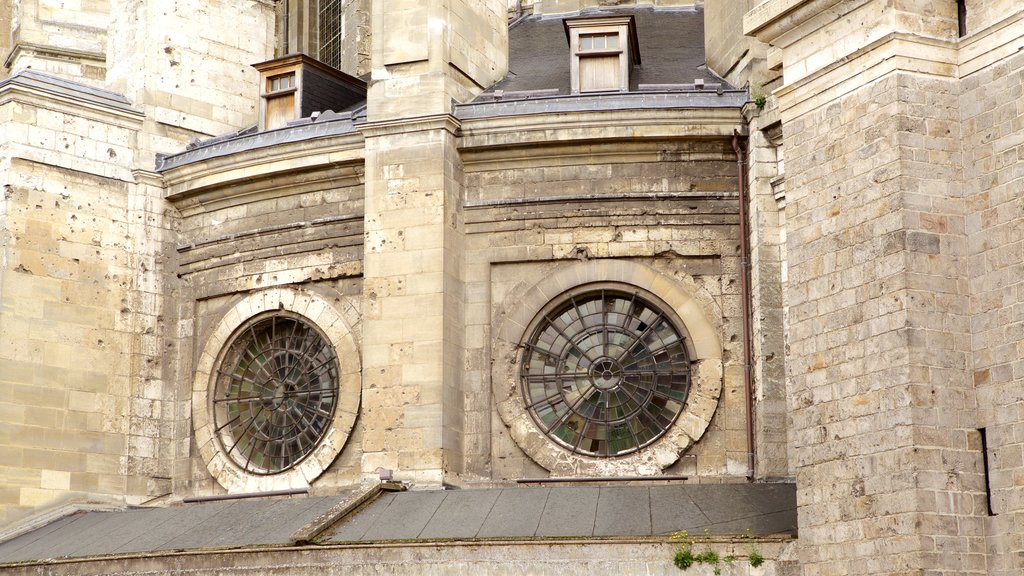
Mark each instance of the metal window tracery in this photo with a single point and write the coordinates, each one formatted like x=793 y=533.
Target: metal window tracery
x=331 y=32
x=275 y=393
x=605 y=373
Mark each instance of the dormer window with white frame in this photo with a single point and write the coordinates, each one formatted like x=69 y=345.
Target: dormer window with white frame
x=604 y=51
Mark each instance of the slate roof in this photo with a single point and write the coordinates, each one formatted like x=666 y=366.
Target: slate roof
x=486 y=514
x=671 y=49
x=576 y=512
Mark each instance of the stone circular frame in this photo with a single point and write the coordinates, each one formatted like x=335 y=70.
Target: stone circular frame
x=329 y=324
x=686 y=302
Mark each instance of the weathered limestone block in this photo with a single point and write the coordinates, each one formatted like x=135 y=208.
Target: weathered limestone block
x=879 y=335
x=434 y=53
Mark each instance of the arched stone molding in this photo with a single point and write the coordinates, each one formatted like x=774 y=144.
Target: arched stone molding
x=698 y=315
x=318 y=312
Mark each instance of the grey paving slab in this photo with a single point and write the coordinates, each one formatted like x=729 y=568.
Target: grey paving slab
x=23 y=547
x=276 y=524
x=623 y=511
x=126 y=527
x=759 y=524
x=223 y=524
x=461 y=514
x=178 y=524
x=516 y=513
x=107 y=532
x=406 y=517
x=774 y=497
x=354 y=527
x=279 y=529
x=673 y=509
x=569 y=512
x=256 y=521
x=148 y=528
x=722 y=502
x=64 y=541
x=492 y=513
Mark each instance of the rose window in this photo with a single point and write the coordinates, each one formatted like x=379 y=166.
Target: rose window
x=605 y=373
x=275 y=393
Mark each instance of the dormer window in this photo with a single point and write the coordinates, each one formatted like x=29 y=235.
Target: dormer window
x=295 y=86
x=603 y=51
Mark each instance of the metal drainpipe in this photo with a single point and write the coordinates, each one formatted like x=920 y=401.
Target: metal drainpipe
x=748 y=378
x=287 y=8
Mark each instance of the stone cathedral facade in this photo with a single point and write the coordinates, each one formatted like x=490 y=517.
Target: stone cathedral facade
x=294 y=248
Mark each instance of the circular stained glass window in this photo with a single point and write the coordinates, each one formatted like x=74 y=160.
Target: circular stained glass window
x=605 y=373
x=275 y=393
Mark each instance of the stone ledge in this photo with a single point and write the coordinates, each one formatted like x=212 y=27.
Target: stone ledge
x=773 y=18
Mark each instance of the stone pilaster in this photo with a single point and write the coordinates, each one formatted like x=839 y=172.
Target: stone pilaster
x=765 y=222
x=425 y=56
x=885 y=453
x=412 y=340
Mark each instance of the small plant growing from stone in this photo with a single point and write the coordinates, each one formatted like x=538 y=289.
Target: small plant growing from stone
x=758 y=96
x=685 y=556
x=755 y=558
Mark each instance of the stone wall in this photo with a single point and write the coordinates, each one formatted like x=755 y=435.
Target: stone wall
x=6 y=15
x=356 y=32
x=247 y=233
x=984 y=13
x=435 y=559
x=766 y=222
x=991 y=105
x=531 y=213
x=311 y=28
x=188 y=66
x=882 y=403
x=882 y=410
x=566 y=6
x=420 y=68
x=73 y=398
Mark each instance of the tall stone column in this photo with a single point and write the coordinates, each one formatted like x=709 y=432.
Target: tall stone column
x=885 y=450
x=425 y=55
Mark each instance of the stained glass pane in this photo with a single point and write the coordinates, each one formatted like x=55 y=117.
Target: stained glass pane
x=275 y=394
x=605 y=373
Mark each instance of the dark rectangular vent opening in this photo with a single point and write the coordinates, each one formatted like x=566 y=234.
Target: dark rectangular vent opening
x=961 y=17
x=984 y=461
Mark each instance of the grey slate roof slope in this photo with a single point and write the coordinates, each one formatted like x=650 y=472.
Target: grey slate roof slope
x=671 y=49
x=229 y=524
x=491 y=514
x=576 y=512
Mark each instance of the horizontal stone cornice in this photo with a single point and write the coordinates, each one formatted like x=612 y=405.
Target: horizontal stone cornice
x=772 y=19
x=991 y=44
x=54 y=52
x=225 y=175
x=410 y=125
x=42 y=91
x=561 y=127
x=894 y=52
